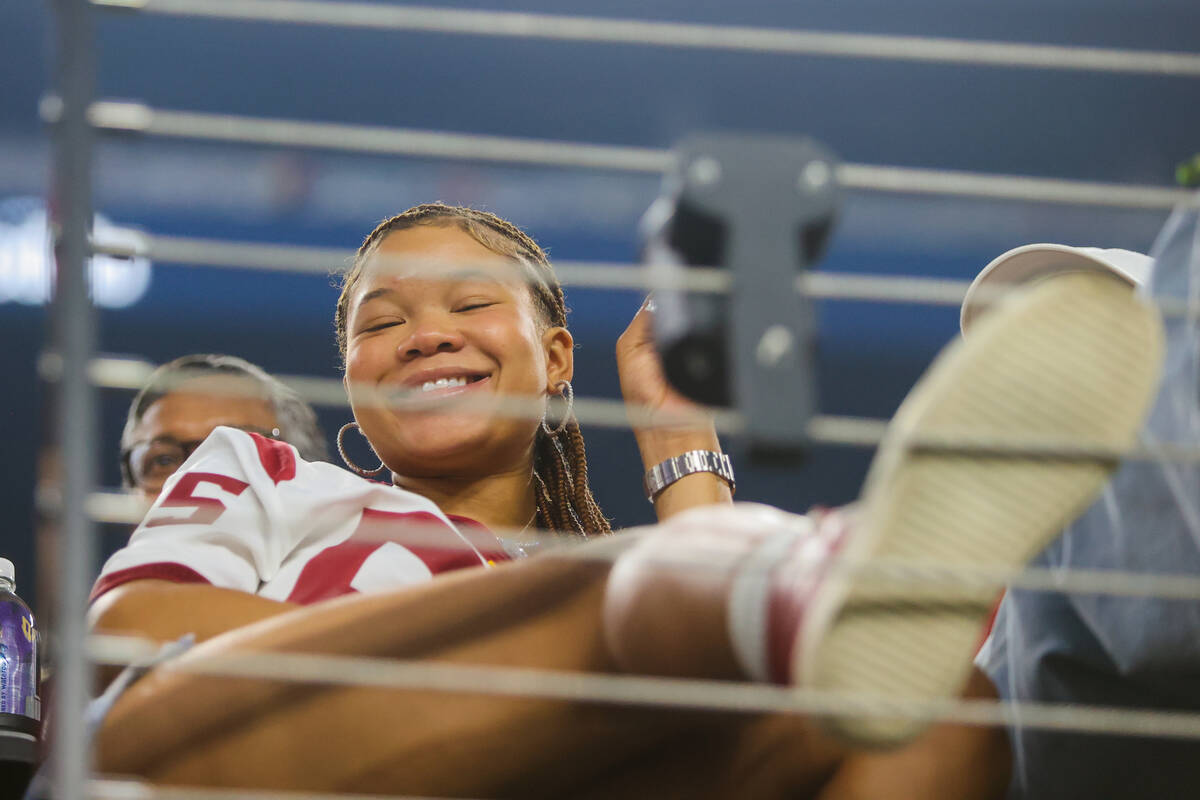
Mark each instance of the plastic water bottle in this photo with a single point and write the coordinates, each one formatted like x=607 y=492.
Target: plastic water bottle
x=20 y=705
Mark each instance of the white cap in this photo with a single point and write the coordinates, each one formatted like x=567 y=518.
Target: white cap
x=1033 y=262
x=7 y=570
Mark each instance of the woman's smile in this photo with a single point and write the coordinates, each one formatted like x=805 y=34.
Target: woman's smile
x=438 y=384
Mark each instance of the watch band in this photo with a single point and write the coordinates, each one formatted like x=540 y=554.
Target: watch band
x=663 y=474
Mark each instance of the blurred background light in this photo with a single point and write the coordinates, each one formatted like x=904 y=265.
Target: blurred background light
x=26 y=259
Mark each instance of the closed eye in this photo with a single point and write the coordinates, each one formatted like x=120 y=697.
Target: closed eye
x=473 y=306
x=381 y=325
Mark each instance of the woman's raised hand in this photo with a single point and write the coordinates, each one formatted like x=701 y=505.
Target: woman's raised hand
x=643 y=382
x=675 y=424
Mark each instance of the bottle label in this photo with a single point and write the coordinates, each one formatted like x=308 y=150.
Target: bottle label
x=18 y=661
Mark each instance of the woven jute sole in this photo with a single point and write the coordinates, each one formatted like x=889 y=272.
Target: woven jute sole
x=1074 y=359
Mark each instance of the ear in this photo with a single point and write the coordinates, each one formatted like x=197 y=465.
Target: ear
x=560 y=357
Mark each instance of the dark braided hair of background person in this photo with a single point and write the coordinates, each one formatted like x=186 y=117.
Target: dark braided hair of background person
x=566 y=503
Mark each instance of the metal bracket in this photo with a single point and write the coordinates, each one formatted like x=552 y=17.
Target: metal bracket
x=762 y=208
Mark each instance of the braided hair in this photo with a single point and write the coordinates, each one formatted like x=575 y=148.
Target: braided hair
x=564 y=498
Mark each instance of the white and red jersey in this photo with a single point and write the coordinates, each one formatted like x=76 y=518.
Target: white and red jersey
x=245 y=512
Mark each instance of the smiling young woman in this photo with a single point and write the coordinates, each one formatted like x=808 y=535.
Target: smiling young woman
x=505 y=322
x=446 y=314
x=433 y=316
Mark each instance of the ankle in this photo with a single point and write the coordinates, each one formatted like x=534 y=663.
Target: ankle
x=772 y=590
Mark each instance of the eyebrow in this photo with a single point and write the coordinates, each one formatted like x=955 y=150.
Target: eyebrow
x=371 y=295
x=162 y=438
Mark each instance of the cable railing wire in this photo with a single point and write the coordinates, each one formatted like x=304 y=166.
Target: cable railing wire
x=130 y=374
x=571 y=273
x=824 y=429
x=106 y=788
x=116 y=507
x=326 y=261
x=736 y=38
x=366 y=139
x=817 y=285
x=374 y=140
x=645 y=691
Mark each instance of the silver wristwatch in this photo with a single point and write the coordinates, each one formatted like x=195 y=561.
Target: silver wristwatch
x=663 y=474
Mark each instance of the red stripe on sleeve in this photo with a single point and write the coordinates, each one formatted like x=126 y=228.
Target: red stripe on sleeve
x=162 y=571
x=278 y=459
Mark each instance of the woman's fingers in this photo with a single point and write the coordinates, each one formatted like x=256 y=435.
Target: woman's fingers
x=640 y=331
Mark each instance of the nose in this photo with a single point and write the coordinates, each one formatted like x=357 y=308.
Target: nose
x=431 y=334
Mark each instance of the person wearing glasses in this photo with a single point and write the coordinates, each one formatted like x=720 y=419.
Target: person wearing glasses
x=185 y=399
x=180 y=404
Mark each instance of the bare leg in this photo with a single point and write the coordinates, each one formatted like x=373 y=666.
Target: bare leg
x=947 y=761
x=184 y=729
x=546 y=612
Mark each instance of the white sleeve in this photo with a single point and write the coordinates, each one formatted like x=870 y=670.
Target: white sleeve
x=218 y=520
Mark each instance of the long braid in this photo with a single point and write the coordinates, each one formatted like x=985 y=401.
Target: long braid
x=570 y=505
x=563 y=496
x=585 y=504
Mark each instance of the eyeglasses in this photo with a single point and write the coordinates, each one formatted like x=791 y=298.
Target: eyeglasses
x=151 y=462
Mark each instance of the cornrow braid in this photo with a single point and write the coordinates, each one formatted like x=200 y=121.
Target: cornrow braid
x=560 y=461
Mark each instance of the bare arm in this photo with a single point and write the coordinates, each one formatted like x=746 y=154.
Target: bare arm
x=643 y=384
x=538 y=612
x=164 y=610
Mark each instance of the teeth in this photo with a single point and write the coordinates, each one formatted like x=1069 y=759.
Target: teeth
x=443 y=383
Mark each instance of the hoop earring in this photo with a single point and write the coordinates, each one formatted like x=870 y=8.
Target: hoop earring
x=366 y=473
x=564 y=389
